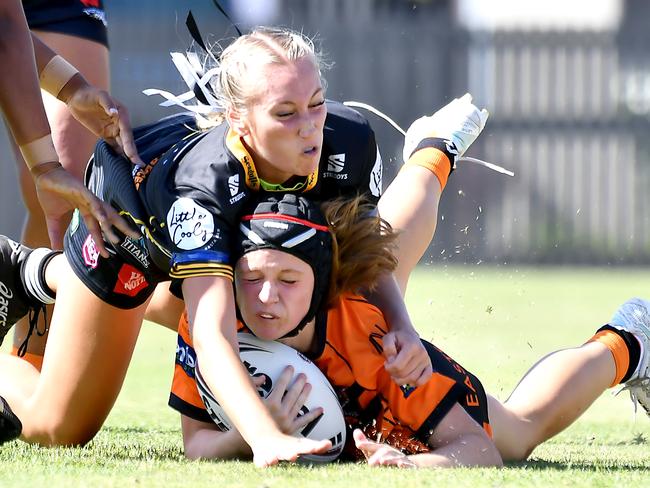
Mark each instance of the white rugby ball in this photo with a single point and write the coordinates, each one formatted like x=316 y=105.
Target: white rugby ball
x=268 y=359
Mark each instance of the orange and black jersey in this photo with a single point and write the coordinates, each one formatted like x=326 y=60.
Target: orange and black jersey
x=197 y=184
x=348 y=349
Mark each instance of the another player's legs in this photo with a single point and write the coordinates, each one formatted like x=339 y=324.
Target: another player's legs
x=74 y=145
x=87 y=355
x=22 y=288
x=410 y=205
x=164 y=308
x=561 y=386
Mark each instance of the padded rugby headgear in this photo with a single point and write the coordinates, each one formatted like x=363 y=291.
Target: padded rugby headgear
x=296 y=226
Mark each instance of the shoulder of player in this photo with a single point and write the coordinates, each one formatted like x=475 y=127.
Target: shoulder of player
x=354 y=316
x=208 y=164
x=340 y=116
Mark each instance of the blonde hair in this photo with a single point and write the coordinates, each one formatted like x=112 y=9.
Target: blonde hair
x=241 y=59
x=362 y=245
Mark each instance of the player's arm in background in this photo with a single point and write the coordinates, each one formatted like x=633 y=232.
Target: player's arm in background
x=100 y=113
x=20 y=101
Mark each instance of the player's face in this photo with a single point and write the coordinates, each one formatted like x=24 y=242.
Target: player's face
x=283 y=125
x=273 y=291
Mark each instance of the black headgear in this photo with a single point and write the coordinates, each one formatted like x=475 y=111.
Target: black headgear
x=297 y=226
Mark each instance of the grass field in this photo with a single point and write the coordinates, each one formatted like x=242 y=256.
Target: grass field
x=495 y=321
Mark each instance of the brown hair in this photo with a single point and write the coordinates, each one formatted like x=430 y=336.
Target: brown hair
x=362 y=246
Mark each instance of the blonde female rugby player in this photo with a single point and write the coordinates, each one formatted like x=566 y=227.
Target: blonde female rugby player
x=449 y=420
x=279 y=135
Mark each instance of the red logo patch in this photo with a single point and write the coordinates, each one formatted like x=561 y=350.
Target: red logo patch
x=130 y=281
x=90 y=252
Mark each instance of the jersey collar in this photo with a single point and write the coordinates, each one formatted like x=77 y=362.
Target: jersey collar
x=253 y=181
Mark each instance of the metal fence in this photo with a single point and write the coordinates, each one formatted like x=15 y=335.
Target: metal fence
x=569 y=114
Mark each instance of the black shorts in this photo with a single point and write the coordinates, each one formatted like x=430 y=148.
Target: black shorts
x=467 y=391
x=79 y=18
x=128 y=277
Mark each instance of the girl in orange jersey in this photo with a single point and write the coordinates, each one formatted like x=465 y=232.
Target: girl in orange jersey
x=284 y=292
x=274 y=136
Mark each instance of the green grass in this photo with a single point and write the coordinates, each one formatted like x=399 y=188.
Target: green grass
x=495 y=321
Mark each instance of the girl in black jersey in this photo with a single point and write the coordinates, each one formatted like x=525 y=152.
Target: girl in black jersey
x=277 y=138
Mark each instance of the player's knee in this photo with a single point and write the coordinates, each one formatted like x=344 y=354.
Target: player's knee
x=518 y=449
x=59 y=431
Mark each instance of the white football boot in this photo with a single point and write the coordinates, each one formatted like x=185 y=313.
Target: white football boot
x=634 y=317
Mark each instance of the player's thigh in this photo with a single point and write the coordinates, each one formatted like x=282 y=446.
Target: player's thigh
x=88 y=352
x=73 y=142
x=89 y=57
x=164 y=308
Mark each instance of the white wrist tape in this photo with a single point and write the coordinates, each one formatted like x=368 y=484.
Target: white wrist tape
x=56 y=75
x=39 y=151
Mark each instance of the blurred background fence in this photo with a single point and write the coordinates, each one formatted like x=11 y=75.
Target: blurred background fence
x=569 y=108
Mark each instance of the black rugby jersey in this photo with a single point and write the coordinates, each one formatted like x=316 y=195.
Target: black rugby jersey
x=196 y=191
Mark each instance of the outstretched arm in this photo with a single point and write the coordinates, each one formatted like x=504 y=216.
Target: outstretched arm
x=203 y=440
x=211 y=310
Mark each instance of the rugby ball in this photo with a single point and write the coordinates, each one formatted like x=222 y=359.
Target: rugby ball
x=268 y=359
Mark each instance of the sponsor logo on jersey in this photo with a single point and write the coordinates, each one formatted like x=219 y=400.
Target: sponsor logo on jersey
x=140 y=174
x=93 y=9
x=336 y=162
x=251 y=173
x=90 y=252
x=130 y=281
x=335 y=166
x=137 y=250
x=185 y=357
x=233 y=185
x=190 y=225
x=376 y=176
x=407 y=390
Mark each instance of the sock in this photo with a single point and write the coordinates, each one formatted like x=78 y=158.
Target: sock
x=33 y=275
x=625 y=349
x=435 y=159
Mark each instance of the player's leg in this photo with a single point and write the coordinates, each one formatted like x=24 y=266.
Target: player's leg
x=431 y=147
x=553 y=394
x=164 y=308
x=561 y=386
x=74 y=145
x=410 y=204
x=88 y=352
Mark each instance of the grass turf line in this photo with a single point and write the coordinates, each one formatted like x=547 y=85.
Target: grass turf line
x=494 y=321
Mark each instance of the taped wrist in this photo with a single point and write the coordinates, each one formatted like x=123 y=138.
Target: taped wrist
x=39 y=152
x=56 y=74
x=434 y=154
